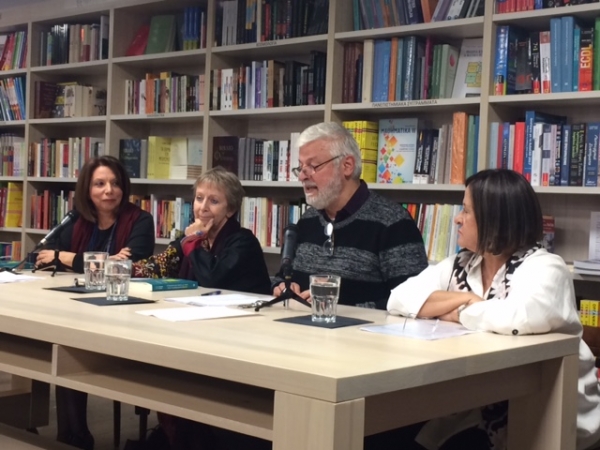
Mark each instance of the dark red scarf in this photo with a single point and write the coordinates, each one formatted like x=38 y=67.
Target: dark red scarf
x=191 y=245
x=83 y=229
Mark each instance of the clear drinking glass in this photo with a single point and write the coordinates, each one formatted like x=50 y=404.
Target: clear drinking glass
x=325 y=292
x=118 y=274
x=93 y=269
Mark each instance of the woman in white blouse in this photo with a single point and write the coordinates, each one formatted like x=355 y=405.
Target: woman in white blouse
x=502 y=280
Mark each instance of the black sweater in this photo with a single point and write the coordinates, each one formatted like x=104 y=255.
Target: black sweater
x=140 y=241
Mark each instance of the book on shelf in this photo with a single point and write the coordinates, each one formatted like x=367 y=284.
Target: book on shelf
x=14 y=50
x=62 y=158
x=12 y=155
x=14 y=205
x=161 y=38
x=397 y=150
x=160 y=284
x=466 y=81
x=10 y=252
x=74 y=43
x=366 y=135
x=368 y=15
x=137 y=47
x=12 y=99
x=589 y=310
x=549 y=231
x=159 y=157
x=267 y=218
x=165 y=92
x=563 y=58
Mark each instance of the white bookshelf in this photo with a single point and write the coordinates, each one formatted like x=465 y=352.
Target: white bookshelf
x=570 y=205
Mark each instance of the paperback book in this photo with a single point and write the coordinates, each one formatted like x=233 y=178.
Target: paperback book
x=160 y=284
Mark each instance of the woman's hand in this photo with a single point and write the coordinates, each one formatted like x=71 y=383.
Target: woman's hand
x=44 y=258
x=199 y=228
x=125 y=253
x=454 y=315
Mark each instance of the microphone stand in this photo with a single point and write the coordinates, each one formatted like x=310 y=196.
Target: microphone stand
x=287 y=294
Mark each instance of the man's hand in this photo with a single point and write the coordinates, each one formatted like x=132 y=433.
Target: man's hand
x=278 y=290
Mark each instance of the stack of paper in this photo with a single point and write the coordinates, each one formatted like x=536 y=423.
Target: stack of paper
x=216 y=300
x=587 y=267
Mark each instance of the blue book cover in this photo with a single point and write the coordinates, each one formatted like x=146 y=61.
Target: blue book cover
x=576 y=47
x=377 y=90
x=565 y=164
x=161 y=284
x=567 y=25
x=400 y=69
x=501 y=66
x=505 y=145
x=556 y=52
x=385 y=80
x=130 y=155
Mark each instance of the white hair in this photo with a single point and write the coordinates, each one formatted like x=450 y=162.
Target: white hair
x=341 y=142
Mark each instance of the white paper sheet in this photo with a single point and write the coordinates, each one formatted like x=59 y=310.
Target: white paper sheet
x=9 y=277
x=195 y=313
x=421 y=329
x=216 y=300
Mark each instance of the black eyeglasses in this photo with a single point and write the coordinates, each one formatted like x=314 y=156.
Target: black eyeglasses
x=308 y=170
x=328 y=244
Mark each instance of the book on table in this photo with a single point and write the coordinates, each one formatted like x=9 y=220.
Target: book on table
x=160 y=284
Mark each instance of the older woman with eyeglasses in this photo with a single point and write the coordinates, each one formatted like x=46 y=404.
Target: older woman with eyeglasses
x=371 y=242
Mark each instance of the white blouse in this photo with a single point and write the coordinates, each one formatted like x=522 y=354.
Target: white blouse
x=541 y=300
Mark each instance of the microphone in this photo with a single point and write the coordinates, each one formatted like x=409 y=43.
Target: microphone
x=71 y=216
x=290 y=239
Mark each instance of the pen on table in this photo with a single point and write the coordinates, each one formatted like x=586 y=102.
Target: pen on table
x=211 y=293
x=435 y=326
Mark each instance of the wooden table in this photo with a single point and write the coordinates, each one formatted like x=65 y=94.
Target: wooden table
x=302 y=387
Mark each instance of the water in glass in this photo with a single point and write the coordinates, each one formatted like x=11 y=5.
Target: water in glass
x=324 y=297
x=94 y=269
x=117 y=286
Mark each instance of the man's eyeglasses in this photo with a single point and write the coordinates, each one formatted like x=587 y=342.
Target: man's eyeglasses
x=328 y=244
x=308 y=170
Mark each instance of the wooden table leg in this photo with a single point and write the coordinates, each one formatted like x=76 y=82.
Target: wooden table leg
x=547 y=419
x=302 y=423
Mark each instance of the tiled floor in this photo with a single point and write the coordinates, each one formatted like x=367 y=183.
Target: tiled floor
x=100 y=420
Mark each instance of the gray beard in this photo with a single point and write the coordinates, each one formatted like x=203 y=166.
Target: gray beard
x=326 y=195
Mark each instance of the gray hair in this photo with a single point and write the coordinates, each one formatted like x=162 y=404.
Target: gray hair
x=228 y=182
x=341 y=143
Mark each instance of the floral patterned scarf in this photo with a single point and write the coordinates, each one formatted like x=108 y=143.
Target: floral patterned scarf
x=465 y=261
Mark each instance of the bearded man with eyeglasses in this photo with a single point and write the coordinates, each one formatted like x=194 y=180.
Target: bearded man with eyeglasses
x=370 y=241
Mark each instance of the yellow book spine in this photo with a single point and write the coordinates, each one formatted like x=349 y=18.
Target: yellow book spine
x=583 y=312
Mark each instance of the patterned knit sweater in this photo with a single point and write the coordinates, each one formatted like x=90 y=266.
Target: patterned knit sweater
x=375 y=249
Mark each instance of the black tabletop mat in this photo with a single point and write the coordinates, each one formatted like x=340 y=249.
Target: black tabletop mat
x=75 y=289
x=101 y=301
x=340 y=321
